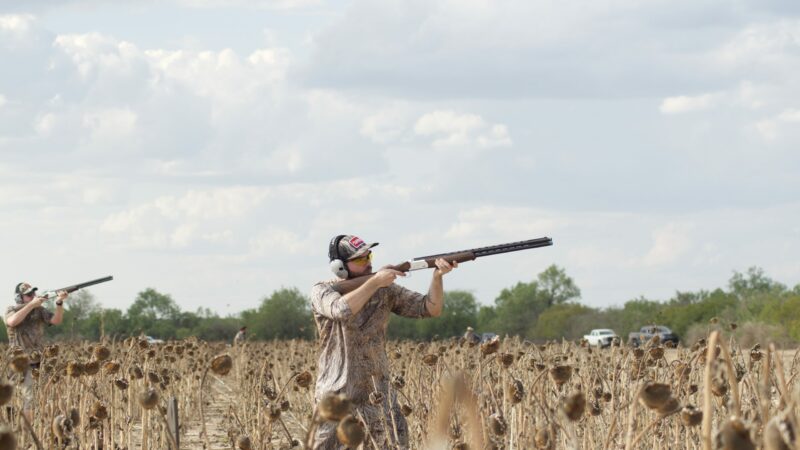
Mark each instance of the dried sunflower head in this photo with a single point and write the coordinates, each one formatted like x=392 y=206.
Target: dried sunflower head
x=691 y=416
x=6 y=393
x=654 y=395
x=334 y=407
x=497 y=423
x=574 y=405
x=102 y=353
x=376 y=397
x=350 y=431
x=111 y=367
x=222 y=364
x=490 y=346
x=20 y=363
x=244 y=443
x=8 y=440
x=74 y=369
x=91 y=367
x=543 y=439
x=735 y=435
x=560 y=374
x=516 y=391
x=148 y=399
x=430 y=360
x=74 y=417
x=98 y=410
x=303 y=380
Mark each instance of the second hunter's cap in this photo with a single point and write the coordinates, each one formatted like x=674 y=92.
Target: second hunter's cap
x=25 y=289
x=353 y=246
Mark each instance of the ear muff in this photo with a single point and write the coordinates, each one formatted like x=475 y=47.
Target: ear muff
x=17 y=294
x=338 y=267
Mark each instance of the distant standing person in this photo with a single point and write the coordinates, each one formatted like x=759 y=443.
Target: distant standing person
x=352 y=336
x=25 y=321
x=240 y=336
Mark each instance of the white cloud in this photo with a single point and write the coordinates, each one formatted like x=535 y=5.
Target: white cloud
x=669 y=244
x=768 y=43
x=178 y=221
x=3 y=100
x=683 y=103
x=771 y=128
x=277 y=241
x=210 y=154
x=386 y=125
x=16 y=26
x=110 y=125
x=95 y=54
x=265 y=4
x=452 y=129
x=505 y=222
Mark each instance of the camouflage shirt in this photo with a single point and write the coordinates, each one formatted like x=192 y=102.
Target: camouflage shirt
x=353 y=357
x=28 y=335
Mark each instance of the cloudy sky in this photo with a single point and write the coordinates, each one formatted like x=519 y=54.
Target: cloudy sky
x=210 y=149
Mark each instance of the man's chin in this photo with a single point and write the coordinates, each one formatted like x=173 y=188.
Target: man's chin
x=367 y=271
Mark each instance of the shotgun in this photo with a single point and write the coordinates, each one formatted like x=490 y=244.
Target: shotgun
x=49 y=295
x=429 y=262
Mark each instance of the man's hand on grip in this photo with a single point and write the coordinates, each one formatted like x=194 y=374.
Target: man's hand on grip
x=385 y=277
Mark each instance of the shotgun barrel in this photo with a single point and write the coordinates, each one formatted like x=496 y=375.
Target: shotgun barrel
x=428 y=262
x=52 y=294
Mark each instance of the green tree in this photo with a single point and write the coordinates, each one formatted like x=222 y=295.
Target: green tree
x=286 y=314
x=556 y=287
x=402 y=328
x=565 y=320
x=754 y=282
x=784 y=312
x=680 y=316
x=154 y=313
x=78 y=309
x=517 y=308
x=459 y=312
x=487 y=314
x=633 y=315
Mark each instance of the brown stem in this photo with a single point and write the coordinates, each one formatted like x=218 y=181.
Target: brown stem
x=202 y=410
x=707 y=405
x=172 y=438
x=33 y=433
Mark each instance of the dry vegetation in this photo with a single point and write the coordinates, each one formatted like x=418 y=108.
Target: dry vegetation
x=455 y=394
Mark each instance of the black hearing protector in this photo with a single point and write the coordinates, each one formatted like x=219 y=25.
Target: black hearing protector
x=338 y=267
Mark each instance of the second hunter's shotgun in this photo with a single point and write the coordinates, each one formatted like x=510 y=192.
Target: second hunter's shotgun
x=49 y=295
x=427 y=262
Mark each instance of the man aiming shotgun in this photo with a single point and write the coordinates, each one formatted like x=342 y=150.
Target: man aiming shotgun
x=25 y=322
x=352 y=312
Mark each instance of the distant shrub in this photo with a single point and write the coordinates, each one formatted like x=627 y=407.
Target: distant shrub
x=746 y=334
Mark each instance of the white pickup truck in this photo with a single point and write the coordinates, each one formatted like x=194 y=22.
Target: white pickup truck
x=601 y=337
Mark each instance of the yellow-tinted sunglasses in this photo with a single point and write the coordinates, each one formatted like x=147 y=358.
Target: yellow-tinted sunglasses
x=362 y=260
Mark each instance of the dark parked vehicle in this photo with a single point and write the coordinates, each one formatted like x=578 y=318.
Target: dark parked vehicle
x=647 y=332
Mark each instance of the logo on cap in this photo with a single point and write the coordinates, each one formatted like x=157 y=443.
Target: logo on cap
x=356 y=242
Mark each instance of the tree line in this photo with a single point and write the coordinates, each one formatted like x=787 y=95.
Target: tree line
x=547 y=307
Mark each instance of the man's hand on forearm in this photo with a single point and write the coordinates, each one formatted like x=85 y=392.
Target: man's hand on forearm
x=20 y=315
x=359 y=297
x=436 y=291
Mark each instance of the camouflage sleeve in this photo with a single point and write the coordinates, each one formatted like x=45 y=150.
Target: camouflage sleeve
x=329 y=303
x=408 y=303
x=46 y=315
x=10 y=311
